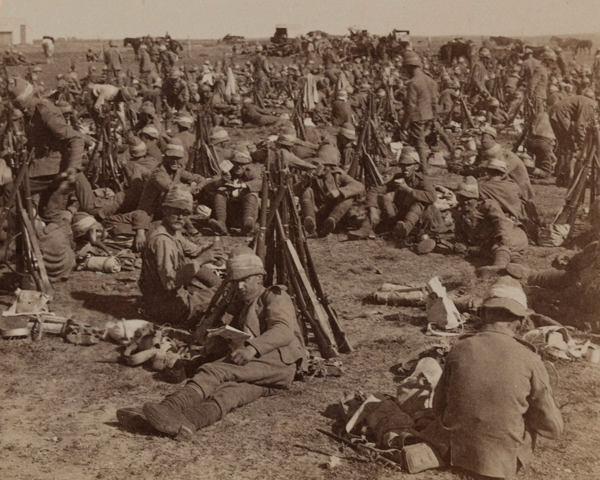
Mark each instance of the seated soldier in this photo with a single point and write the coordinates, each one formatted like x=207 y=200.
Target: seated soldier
x=289 y=142
x=173 y=275
x=262 y=365
x=341 y=110
x=403 y=200
x=346 y=143
x=220 y=144
x=327 y=196
x=164 y=176
x=235 y=196
x=495 y=115
x=257 y=116
x=496 y=184
x=482 y=223
x=515 y=167
x=137 y=169
x=494 y=396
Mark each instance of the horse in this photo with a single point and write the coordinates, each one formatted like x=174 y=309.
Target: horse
x=454 y=50
x=566 y=43
x=135 y=43
x=506 y=41
x=584 y=46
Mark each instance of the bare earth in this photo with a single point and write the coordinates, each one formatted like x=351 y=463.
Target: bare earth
x=58 y=401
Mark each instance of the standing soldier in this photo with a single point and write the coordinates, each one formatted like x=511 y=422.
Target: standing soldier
x=261 y=72
x=538 y=84
x=58 y=149
x=420 y=106
x=113 y=61
x=146 y=65
x=476 y=86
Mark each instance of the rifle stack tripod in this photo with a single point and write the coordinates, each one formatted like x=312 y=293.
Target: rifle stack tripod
x=30 y=263
x=587 y=169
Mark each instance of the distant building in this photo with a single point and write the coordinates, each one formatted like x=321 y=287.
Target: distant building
x=14 y=31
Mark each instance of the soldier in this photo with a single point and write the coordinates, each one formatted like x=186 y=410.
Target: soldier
x=184 y=123
x=113 y=61
x=235 y=196
x=146 y=65
x=570 y=119
x=494 y=396
x=482 y=223
x=56 y=169
x=171 y=264
x=326 y=197
x=537 y=86
x=515 y=167
x=172 y=171
x=262 y=70
x=476 y=89
x=341 y=110
x=257 y=116
x=262 y=365
x=420 y=106
x=541 y=145
x=403 y=200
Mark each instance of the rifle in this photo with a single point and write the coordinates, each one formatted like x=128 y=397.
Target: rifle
x=264 y=200
x=365 y=450
x=297 y=275
x=466 y=110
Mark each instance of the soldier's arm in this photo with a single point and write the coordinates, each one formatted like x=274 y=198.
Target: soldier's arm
x=424 y=192
x=543 y=415
x=280 y=318
x=350 y=187
x=66 y=135
x=502 y=225
x=166 y=254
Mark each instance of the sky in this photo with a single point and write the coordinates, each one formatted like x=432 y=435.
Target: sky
x=206 y=19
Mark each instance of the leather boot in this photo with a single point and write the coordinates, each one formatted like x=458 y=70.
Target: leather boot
x=365 y=231
x=329 y=226
x=200 y=417
x=249 y=213
x=400 y=231
x=310 y=225
x=388 y=211
x=168 y=417
x=219 y=223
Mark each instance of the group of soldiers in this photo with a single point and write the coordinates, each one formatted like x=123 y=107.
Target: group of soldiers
x=169 y=125
x=317 y=110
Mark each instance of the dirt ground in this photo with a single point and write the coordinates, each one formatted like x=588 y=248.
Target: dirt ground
x=58 y=401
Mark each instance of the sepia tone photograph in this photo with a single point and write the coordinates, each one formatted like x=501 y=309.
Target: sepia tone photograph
x=299 y=239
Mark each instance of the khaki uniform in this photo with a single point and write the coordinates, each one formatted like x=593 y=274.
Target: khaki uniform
x=492 y=400
x=484 y=224
x=420 y=108
x=167 y=280
x=276 y=336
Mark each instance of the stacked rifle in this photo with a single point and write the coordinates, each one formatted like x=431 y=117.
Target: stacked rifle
x=103 y=169
x=203 y=157
x=371 y=147
x=586 y=174
x=281 y=243
x=30 y=263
